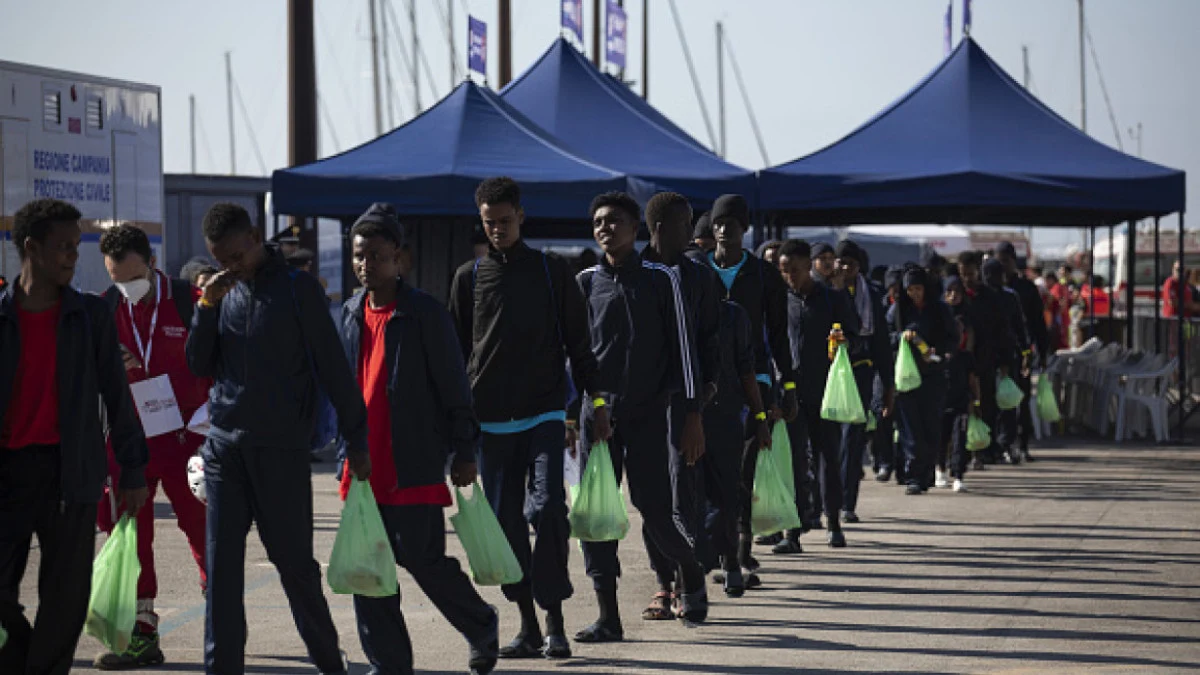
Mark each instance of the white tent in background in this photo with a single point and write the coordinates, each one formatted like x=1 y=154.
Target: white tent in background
x=946 y=240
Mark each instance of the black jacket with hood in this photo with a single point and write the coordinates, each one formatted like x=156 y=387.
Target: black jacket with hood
x=90 y=372
x=269 y=345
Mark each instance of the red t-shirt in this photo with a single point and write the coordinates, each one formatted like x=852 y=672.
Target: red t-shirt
x=373 y=373
x=32 y=416
x=167 y=347
x=1171 y=299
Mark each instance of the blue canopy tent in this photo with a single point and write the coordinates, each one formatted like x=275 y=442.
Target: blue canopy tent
x=970 y=145
x=429 y=169
x=600 y=118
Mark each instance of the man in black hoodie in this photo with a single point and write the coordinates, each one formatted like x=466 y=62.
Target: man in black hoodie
x=642 y=340
x=59 y=356
x=402 y=344
x=1039 y=339
x=760 y=290
x=519 y=315
x=263 y=333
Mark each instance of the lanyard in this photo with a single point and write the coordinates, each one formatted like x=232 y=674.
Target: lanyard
x=144 y=352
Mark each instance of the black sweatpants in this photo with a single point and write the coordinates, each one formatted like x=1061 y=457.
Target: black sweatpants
x=687 y=490
x=522 y=475
x=987 y=404
x=418 y=537
x=952 y=449
x=639 y=449
x=854 y=442
x=724 y=433
x=273 y=488
x=818 y=440
x=31 y=503
x=921 y=426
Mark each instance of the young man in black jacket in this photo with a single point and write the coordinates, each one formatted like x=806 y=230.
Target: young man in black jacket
x=815 y=310
x=1033 y=310
x=642 y=341
x=669 y=220
x=760 y=290
x=403 y=346
x=1013 y=361
x=264 y=334
x=59 y=356
x=995 y=342
x=519 y=316
x=871 y=358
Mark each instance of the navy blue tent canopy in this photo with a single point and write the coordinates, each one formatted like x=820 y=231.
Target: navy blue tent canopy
x=432 y=165
x=600 y=118
x=969 y=145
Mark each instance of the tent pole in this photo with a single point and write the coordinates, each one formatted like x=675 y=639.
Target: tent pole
x=1158 y=344
x=1112 y=272
x=1090 y=238
x=1182 y=347
x=1130 y=273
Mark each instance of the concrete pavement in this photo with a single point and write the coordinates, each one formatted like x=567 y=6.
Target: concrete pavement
x=1086 y=561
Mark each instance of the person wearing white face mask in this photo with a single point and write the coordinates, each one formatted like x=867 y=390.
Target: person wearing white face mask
x=153 y=314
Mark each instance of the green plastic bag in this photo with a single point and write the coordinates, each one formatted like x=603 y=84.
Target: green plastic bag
x=979 y=435
x=1047 y=405
x=872 y=421
x=3 y=637
x=842 y=402
x=908 y=376
x=492 y=560
x=112 y=608
x=598 y=511
x=362 y=561
x=773 y=503
x=1008 y=394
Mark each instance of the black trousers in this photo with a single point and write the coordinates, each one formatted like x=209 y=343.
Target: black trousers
x=952 y=449
x=921 y=426
x=723 y=431
x=854 y=442
x=817 y=441
x=522 y=475
x=987 y=405
x=273 y=488
x=1025 y=416
x=31 y=503
x=418 y=537
x=688 y=495
x=639 y=449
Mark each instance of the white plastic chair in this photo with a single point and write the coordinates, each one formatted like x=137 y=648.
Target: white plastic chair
x=1149 y=390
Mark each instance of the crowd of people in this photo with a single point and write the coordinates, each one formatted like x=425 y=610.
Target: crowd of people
x=682 y=357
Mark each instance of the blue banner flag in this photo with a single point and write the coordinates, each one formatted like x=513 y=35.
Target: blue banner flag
x=966 y=17
x=572 y=17
x=615 y=43
x=477 y=46
x=949 y=38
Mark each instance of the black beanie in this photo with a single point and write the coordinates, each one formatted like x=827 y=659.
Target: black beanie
x=384 y=214
x=952 y=281
x=848 y=249
x=992 y=265
x=915 y=276
x=819 y=248
x=731 y=206
x=1006 y=248
x=703 y=226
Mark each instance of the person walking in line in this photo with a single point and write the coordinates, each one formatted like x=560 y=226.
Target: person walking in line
x=402 y=345
x=59 y=358
x=153 y=314
x=519 y=315
x=642 y=342
x=264 y=334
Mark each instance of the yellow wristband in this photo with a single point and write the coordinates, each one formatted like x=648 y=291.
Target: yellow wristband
x=924 y=348
x=598 y=402
x=205 y=304
x=761 y=417
x=789 y=386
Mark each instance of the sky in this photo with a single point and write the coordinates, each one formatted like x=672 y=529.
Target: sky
x=814 y=69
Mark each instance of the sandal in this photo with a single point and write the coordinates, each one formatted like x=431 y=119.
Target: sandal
x=599 y=632
x=659 y=608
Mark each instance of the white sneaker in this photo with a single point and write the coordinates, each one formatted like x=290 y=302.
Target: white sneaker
x=959 y=486
x=941 y=480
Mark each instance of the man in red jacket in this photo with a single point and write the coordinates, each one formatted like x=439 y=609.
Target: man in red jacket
x=153 y=314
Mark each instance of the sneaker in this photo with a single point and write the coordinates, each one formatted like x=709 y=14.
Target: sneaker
x=788 y=546
x=769 y=540
x=836 y=539
x=959 y=486
x=849 y=517
x=941 y=481
x=913 y=489
x=883 y=475
x=1025 y=456
x=143 y=652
